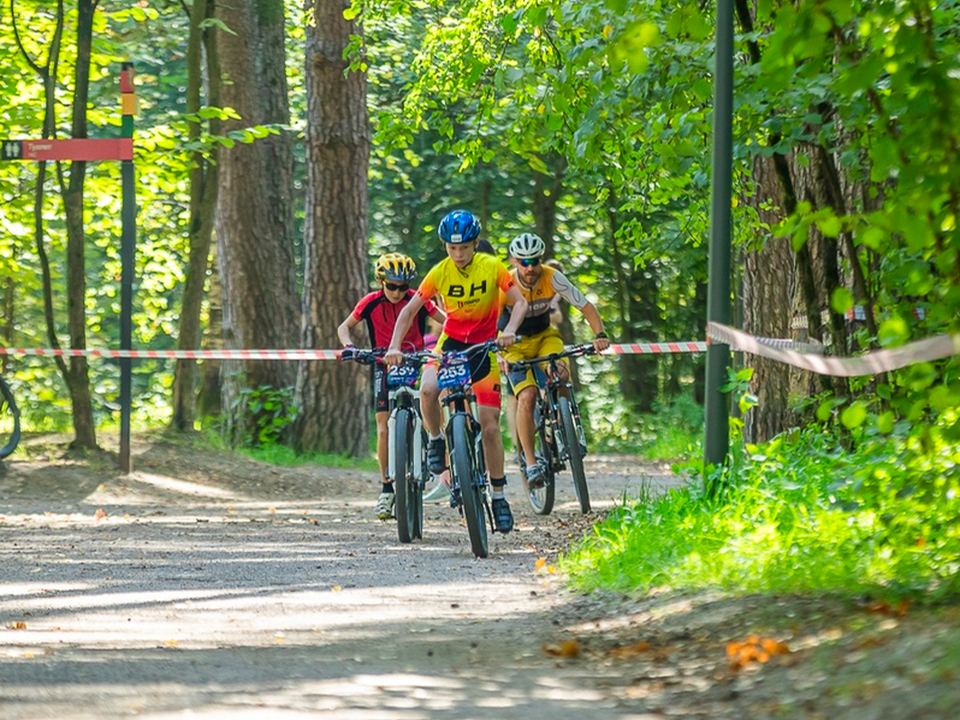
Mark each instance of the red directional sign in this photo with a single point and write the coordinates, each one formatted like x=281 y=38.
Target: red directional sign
x=71 y=149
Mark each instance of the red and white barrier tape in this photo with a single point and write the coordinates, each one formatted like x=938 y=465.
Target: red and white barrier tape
x=222 y=354
x=656 y=348
x=871 y=363
x=306 y=354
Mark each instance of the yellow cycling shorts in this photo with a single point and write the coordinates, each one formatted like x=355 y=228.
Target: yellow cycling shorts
x=543 y=343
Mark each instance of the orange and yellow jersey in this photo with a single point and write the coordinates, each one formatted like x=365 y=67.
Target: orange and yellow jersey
x=540 y=299
x=470 y=296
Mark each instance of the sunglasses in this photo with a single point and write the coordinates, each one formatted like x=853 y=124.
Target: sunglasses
x=529 y=262
x=395 y=288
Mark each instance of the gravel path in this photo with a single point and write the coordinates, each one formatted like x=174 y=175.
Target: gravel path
x=229 y=591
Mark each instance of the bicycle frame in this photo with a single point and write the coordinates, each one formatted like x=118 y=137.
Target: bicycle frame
x=461 y=401
x=558 y=431
x=407 y=396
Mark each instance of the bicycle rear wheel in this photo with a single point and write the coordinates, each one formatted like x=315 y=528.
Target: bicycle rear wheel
x=466 y=469
x=409 y=492
x=571 y=441
x=542 y=498
x=9 y=421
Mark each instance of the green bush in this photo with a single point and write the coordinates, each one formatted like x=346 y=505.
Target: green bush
x=796 y=514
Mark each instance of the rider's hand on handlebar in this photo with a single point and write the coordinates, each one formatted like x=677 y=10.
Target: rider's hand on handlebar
x=348 y=352
x=503 y=364
x=393 y=357
x=506 y=339
x=601 y=342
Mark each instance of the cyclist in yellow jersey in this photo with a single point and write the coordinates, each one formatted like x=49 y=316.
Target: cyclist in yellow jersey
x=539 y=285
x=470 y=286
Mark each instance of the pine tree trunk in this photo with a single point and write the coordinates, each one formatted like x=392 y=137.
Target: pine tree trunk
x=254 y=223
x=333 y=398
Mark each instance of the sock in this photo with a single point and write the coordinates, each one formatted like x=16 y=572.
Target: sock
x=498 y=485
x=436 y=437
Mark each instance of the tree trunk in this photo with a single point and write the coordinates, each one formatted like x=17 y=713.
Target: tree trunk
x=209 y=399
x=77 y=378
x=333 y=397
x=204 y=185
x=769 y=286
x=254 y=219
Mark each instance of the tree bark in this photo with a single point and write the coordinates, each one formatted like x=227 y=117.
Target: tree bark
x=769 y=287
x=254 y=219
x=77 y=377
x=333 y=397
x=204 y=185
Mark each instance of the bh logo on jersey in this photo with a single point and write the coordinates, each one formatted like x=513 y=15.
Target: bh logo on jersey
x=470 y=293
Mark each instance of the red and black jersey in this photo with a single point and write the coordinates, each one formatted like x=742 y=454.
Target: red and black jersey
x=381 y=315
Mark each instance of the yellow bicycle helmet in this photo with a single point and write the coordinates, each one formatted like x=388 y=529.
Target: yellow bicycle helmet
x=396 y=268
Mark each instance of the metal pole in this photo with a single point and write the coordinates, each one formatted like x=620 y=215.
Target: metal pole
x=716 y=411
x=128 y=249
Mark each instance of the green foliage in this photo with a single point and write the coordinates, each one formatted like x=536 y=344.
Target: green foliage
x=264 y=412
x=796 y=514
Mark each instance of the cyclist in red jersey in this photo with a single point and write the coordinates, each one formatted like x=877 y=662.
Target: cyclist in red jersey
x=380 y=310
x=469 y=284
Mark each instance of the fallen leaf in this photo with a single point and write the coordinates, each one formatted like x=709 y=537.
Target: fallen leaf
x=566 y=649
x=540 y=564
x=100 y=515
x=19 y=625
x=754 y=649
x=336 y=588
x=637 y=648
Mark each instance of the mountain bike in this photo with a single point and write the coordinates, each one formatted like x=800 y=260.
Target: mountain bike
x=407 y=464
x=465 y=443
x=558 y=432
x=407 y=440
x=9 y=421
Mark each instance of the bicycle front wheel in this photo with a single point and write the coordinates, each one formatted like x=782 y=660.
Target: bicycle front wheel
x=467 y=471
x=571 y=441
x=9 y=421
x=542 y=498
x=408 y=490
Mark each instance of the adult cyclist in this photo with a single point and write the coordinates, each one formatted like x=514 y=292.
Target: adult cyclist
x=380 y=310
x=539 y=284
x=469 y=285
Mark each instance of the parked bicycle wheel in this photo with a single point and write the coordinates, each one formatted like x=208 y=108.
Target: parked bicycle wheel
x=409 y=492
x=571 y=441
x=542 y=498
x=9 y=421
x=467 y=473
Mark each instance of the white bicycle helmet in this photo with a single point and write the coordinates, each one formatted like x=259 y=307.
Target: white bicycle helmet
x=527 y=245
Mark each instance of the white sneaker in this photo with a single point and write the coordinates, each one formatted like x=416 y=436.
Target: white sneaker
x=385 y=505
x=440 y=493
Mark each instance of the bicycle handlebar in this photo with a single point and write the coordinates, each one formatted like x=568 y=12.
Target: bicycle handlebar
x=576 y=350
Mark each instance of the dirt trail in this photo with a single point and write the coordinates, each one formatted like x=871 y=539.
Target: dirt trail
x=213 y=586
x=196 y=585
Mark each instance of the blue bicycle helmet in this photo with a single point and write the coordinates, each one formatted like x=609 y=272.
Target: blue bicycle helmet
x=459 y=226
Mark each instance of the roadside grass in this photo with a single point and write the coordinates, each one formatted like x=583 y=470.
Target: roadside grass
x=796 y=514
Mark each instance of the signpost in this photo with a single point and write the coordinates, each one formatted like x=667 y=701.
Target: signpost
x=87 y=149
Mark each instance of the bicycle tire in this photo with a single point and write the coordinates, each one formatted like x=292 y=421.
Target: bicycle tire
x=409 y=498
x=464 y=462
x=541 y=499
x=571 y=441
x=9 y=421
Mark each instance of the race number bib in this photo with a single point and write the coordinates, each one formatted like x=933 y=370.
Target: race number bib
x=454 y=371
x=402 y=376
